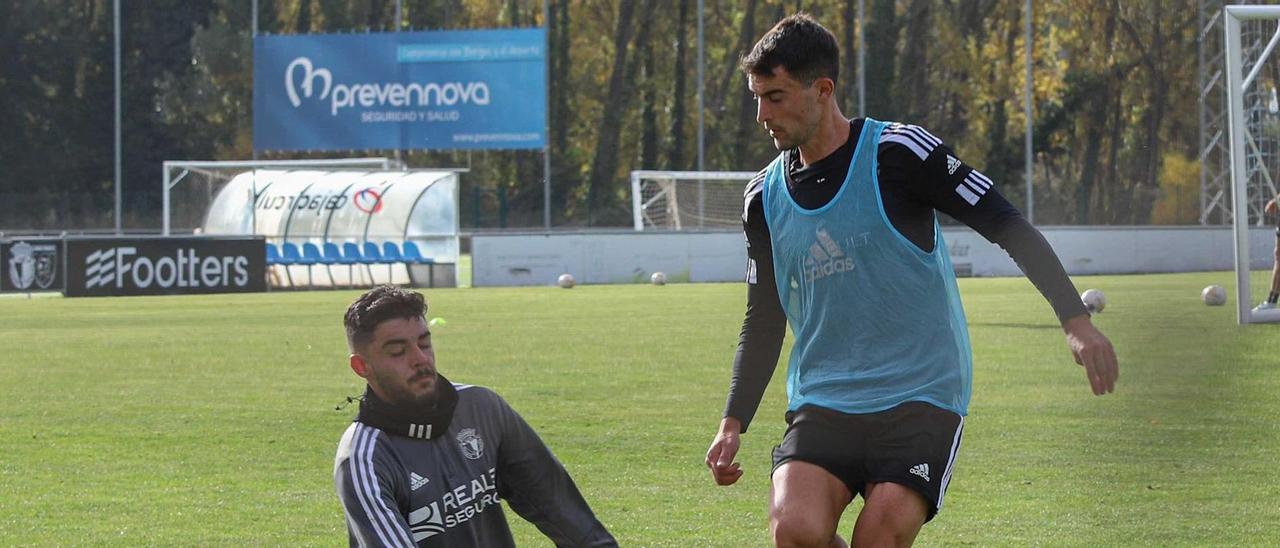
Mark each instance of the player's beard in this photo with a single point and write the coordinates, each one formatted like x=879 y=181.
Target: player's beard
x=427 y=397
x=406 y=395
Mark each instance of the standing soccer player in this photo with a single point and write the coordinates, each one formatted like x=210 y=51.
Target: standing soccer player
x=844 y=245
x=426 y=460
x=1273 y=208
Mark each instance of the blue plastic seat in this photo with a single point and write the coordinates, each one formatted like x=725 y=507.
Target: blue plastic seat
x=391 y=252
x=412 y=255
x=273 y=255
x=351 y=252
x=290 y=253
x=372 y=255
x=312 y=253
x=333 y=256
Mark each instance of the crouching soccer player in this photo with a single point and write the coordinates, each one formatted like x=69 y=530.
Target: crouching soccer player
x=426 y=460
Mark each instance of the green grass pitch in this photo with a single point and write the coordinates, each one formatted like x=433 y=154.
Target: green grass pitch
x=210 y=420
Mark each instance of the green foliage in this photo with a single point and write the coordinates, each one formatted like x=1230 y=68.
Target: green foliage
x=1179 y=202
x=1114 y=90
x=210 y=420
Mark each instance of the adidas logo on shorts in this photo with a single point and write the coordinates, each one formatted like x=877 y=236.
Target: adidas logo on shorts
x=921 y=470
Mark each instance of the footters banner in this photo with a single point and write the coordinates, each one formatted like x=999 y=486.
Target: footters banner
x=164 y=266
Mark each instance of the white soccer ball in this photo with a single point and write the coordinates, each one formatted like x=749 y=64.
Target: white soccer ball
x=1214 y=295
x=1093 y=300
x=658 y=278
x=566 y=281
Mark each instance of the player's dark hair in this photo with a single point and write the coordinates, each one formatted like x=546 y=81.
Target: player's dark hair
x=382 y=303
x=799 y=44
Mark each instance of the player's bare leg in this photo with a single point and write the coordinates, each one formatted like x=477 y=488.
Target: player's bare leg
x=805 y=504
x=1275 y=270
x=1274 y=295
x=892 y=516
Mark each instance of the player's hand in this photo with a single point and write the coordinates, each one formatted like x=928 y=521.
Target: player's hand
x=723 y=449
x=1272 y=207
x=1093 y=351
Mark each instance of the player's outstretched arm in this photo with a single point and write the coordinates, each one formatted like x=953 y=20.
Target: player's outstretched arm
x=722 y=452
x=1094 y=352
x=1273 y=206
x=538 y=488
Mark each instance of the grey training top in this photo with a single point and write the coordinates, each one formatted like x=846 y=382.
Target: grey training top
x=444 y=492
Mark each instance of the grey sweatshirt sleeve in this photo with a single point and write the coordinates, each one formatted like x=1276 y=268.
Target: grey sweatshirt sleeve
x=537 y=487
x=367 y=489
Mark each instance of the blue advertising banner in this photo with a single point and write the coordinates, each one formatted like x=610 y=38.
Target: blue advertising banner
x=472 y=89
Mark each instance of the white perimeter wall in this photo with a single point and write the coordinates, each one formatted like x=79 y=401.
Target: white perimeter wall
x=629 y=257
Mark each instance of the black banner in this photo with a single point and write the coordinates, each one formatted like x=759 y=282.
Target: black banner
x=164 y=266
x=31 y=265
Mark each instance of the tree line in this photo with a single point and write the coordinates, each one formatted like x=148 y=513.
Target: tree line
x=1115 y=86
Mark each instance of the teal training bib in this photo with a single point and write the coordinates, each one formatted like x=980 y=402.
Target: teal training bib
x=877 y=322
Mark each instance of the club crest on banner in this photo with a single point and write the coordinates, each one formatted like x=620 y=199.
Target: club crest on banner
x=33 y=266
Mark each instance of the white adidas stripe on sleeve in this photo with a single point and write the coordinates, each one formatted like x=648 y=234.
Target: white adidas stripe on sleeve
x=915 y=138
x=967 y=194
x=906 y=142
x=975 y=185
x=365 y=482
x=979 y=178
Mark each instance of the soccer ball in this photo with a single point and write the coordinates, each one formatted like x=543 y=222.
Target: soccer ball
x=658 y=278
x=1093 y=300
x=566 y=281
x=1214 y=295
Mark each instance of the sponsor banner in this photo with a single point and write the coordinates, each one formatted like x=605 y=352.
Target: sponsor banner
x=442 y=90
x=31 y=265
x=164 y=266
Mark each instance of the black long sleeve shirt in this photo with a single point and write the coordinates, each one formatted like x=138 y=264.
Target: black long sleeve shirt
x=918 y=175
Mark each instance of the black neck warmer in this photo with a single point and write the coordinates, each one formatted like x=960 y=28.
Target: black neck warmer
x=423 y=422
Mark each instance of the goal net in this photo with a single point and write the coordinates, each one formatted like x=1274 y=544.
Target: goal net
x=1253 y=75
x=688 y=200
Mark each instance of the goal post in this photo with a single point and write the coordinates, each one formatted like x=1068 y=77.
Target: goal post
x=1252 y=34
x=688 y=200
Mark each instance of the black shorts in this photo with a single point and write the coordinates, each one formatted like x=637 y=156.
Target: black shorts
x=913 y=444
